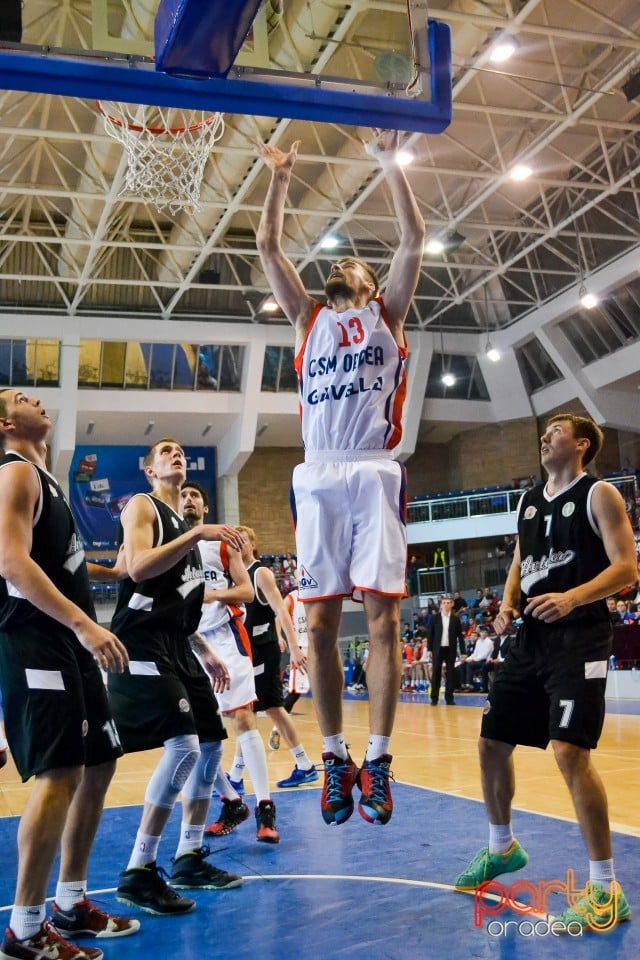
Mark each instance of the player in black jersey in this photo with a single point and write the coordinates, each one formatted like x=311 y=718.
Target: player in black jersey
x=166 y=698
x=575 y=548
x=57 y=716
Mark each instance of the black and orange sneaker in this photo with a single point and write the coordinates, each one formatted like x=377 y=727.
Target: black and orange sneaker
x=376 y=803
x=233 y=813
x=336 y=801
x=85 y=919
x=266 y=822
x=45 y=943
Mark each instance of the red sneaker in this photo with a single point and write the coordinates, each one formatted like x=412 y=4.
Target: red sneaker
x=376 y=803
x=340 y=775
x=45 y=943
x=86 y=920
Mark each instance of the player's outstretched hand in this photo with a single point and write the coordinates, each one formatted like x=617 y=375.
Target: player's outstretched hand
x=275 y=158
x=383 y=141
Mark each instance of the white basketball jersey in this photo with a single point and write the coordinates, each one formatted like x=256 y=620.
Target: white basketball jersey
x=352 y=380
x=215 y=563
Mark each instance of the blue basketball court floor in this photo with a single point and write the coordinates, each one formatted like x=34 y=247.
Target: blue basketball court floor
x=384 y=893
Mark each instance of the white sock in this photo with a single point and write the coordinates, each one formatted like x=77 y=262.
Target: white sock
x=70 y=892
x=26 y=921
x=377 y=746
x=191 y=837
x=255 y=758
x=236 y=773
x=500 y=837
x=301 y=758
x=144 y=851
x=602 y=872
x=336 y=746
x=222 y=786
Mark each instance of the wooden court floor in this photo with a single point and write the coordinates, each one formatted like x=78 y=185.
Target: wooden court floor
x=434 y=747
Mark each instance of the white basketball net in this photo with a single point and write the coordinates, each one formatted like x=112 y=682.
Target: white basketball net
x=167 y=150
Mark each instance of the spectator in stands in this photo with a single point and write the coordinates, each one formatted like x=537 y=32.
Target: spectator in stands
x=412 y=576
x=459 y=603
x=406 y=633
x=475 y=603
x=477 y=661
x=498 y=655
x=613 y=609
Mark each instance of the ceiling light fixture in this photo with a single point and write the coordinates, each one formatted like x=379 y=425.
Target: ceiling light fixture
x=491 y=353
x=330 y=242
x=404 y=158
x=447 y=377
x=520 y=172
x=434 y=246
x=91 y=424
x=504 y=49
x=206 y=429
x=588 y=300
x=269 y=306
x=149 y=427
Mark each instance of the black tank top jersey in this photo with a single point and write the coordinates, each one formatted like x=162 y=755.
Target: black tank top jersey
x=56 y=548
x=259 y=615
x=560 y=546
x=170 y=602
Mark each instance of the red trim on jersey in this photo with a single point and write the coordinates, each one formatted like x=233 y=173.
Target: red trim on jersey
x=401 y=391
x=224 y=556
x=297 y=361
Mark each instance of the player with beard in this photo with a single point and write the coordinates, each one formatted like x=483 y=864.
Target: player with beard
x=348 y=496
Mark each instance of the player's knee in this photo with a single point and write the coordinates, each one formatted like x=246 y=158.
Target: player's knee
x=201 y=779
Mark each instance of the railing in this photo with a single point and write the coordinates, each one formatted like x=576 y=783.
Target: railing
x=461 y=506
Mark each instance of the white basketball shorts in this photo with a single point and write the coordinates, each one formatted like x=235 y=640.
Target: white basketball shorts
x=231 y=642
x=349 y=512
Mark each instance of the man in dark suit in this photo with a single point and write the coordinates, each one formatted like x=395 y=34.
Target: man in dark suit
x=443 y=636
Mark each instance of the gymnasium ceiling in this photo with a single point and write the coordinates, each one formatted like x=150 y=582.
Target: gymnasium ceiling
x=71 y=245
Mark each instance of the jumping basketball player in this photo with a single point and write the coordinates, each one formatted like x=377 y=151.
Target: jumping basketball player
x=349 y=494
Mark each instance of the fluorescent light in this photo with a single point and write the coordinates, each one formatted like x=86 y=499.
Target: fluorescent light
x=521 y=172
x=503 y=50
x=448 y=379
x=329 y=242
x=434 y=246
x=492 y=353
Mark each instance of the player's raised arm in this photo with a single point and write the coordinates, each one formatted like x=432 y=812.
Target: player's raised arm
x=405 y=265
x=285 y=283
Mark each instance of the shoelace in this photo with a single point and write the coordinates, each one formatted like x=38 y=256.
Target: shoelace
x=334 y=785
x=379 y=777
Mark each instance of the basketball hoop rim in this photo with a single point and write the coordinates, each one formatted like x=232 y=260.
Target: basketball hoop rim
x=156 y=131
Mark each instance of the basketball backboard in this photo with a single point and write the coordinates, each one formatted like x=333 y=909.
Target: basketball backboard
x=105 y=50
